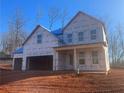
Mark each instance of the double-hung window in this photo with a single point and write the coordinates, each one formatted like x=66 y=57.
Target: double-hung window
x=93 y=34
x=80 y=36
x=95 y=57
x=81 y=58
x=69 y=37
x=39 y=39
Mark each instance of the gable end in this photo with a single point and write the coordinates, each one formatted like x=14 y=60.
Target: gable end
x=35 y=31
x=86 y=15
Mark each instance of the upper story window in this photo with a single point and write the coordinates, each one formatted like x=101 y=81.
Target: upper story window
x=93 y=34
x=39 y=39
x=80 y=36
x=95 y=57
x=69 y=36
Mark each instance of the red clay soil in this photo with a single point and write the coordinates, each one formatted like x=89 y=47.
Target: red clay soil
x=6 y=66
x=61 y=82
x=3 y=90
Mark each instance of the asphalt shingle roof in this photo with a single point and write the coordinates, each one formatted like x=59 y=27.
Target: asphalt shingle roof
x=18 y=51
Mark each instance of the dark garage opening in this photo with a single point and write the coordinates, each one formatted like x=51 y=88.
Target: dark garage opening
x=17 y=63
x=40 y=63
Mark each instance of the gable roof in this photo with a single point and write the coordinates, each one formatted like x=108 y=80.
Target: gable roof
x=80 y=12
x=31 y=34
x=55 y=32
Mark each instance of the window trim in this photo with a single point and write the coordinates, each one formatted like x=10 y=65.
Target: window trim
x=80 y=36
x=95 y=58
x=39 y=38
x=82 y=58
x=93 y=36
x=69 y=37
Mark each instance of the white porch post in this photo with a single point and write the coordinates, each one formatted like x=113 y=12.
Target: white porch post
x=75 y=59
x=105 y=58
x=24 y=64
x=13 y=63
x=56 y=60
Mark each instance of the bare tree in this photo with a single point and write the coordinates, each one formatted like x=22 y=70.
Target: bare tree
x=115 y=41
x=4 y=43
x=63 y=17
x=16 y=33
x=121 y=43
x=0 y=41
x=116 y=45
x=53 y=15
x=38 y=15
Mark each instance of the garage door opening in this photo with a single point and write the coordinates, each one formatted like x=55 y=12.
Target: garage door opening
x=17 y=63
x=40 y=63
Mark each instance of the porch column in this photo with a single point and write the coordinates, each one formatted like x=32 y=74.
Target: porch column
x=56 y=60
x=75 y=59
x=105 y=58
x=24 y=64
x=13 y=63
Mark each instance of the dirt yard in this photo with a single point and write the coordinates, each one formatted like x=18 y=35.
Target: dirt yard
x=61 y=82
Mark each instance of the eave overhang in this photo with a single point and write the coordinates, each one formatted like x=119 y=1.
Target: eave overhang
x=78 y=46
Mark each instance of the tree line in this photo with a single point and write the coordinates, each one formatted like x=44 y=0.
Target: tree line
x=116 y=46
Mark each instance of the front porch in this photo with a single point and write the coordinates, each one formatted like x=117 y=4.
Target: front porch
x=81 y=58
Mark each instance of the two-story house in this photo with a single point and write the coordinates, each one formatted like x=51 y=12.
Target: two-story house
x=81 y=44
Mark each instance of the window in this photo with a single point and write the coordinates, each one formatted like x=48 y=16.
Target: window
x=71 y=59
x=95 y=57
x=39 y=39
x=69 y=36
x=82 y=61
x=80 y=36
x=93 y=34
x=81 y=58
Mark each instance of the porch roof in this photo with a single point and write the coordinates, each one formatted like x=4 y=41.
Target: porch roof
x=89 y=45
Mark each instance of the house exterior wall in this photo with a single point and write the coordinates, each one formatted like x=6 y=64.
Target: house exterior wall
x=64 y=60
x=85 y=24
x=81 y=23
x=103 y=65
x=32 y=48
x=88 y=59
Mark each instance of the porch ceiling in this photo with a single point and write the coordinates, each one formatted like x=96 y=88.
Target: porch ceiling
x=70 y=47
